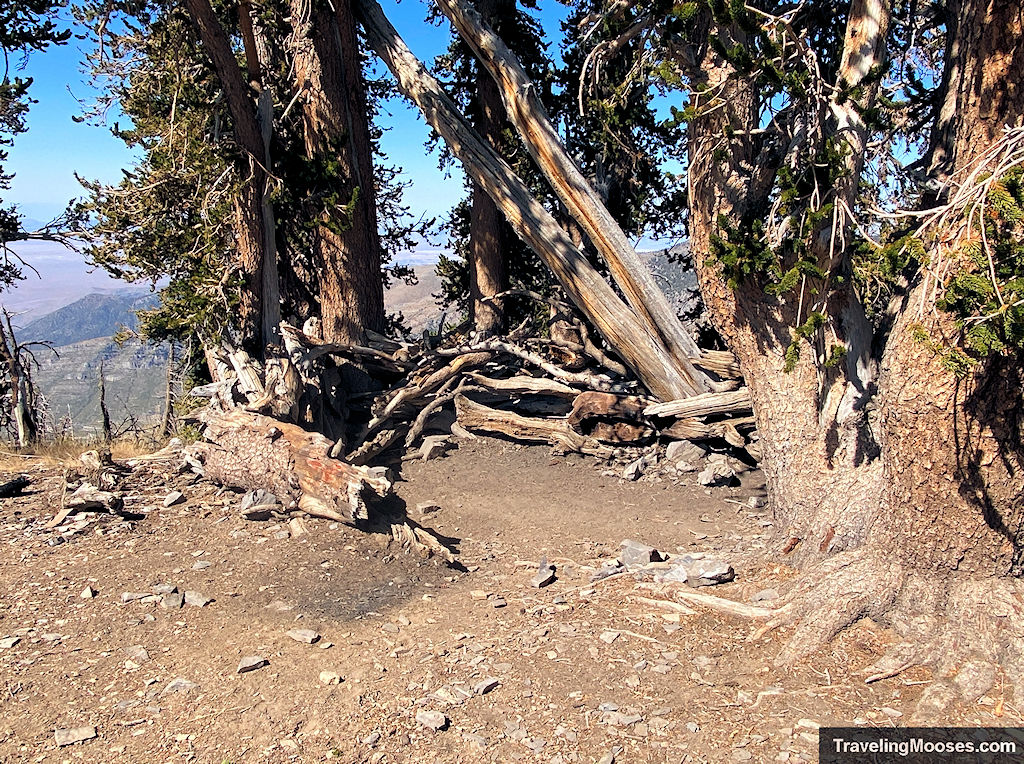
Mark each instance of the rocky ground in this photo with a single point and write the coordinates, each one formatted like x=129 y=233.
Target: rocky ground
x=192 y=634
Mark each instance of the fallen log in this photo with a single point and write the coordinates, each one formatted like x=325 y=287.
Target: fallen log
x=87 y=498
x=14 y=487
x=609 y=418
x=703 y=405
x=524 y=385
x=695 y=429
x=556 y=432
x=252 y=452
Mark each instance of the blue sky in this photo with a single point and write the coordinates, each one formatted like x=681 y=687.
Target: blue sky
x=46 y=158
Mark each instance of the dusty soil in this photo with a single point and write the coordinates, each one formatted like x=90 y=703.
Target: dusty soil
x=582 y=669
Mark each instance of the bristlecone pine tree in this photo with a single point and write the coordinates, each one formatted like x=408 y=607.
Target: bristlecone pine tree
x=883 y=352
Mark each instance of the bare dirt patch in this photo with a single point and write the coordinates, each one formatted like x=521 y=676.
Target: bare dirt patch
x=573 y=671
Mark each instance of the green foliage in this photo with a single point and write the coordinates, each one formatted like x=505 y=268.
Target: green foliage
x=986 y=292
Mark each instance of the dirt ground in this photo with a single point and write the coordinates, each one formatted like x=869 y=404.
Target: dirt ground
x=577 y=671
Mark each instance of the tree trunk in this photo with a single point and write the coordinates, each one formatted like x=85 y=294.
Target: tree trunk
x=527 y=113
x=632 y=336
x=328 y=77
x=489 y=236
x=952 y=446
x=258 y=313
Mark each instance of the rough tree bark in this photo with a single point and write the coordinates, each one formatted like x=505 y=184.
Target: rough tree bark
x=489 y=233
x=900 y=479
x=329 y=83
x=632 y=336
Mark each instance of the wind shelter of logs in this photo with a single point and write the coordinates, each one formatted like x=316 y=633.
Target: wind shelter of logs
x=297 y=427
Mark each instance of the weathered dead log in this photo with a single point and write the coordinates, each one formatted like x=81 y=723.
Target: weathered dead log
x=610 y=418
x=14 y=487
x=87 y=498
x=528 y=115
x=251 y=451
x=303 y=350
x=633 y=337
x=720 y=362
x=703 y=405
x=695 y=429
x=501 y=346
x=524 y=385
x=556 y=432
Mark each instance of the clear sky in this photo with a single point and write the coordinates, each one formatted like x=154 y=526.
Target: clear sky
x=46 y=158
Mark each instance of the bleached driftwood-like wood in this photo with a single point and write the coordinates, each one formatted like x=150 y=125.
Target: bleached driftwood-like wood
x=695 y=429
x=527 y=113
x=704 y=405
x=252 y=451
x=501 y=346
x=632 y=336
x=524 y=385
x=303 y=350
x=556 y=431
x=720 y=362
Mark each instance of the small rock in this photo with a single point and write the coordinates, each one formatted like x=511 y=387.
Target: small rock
x=179 y=685
x=165 y=589
x=684 y=451
x=545 y=574
x=717 y=474
x=259 y=505
x=371 y=739
x=87 y=593
x=634 y=470
x=434 y=446
x=498 y=602
x=73 y=735
x=484 y=686
x=303 y=635
x=137 y=653
x=636 y=555
x=609 y=636
x=133 y=596
x=297 y=528
x=9 y=642
x=174 y=497
x=765 y=594
x=757 y=502
x=172 y=600
x=427 y=508
x=202 y=565
x=607 y=569
x=195 y=599
x=610 y=757
x=479 y=594
x=251 y=663
x=434 y=720
x=330 y=677
x=710 y=573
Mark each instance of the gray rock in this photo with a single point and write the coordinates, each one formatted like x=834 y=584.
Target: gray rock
x=636 y=555
x=174 y=497
x=434 y=446
x=172 y=601
x=202 y=565
x=484 y=686
x=73 y=735
x=633 y=470
x=179 y=685
x=330 y=677
x=427 y=508
x=137 y=653
x=134 y=596
x=545 y=574
x=165 y=589
x=765 y=594
x=756 y=502
x=196 y=599
x=303 y=635
x=710 y=573
x=259 y=505
x=9 y=642
x=434 y=720
x=87 y=593
x=607 y=569
x=251 y=663
x=684 y=451
x=717 y=474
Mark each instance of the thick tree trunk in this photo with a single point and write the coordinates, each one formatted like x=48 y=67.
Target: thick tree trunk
x=258 y=313
x=952 y=446
x=819 y=451
x=632 y=336
x=328 y=77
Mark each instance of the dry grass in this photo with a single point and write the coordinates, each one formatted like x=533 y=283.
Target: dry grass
x=58 y=453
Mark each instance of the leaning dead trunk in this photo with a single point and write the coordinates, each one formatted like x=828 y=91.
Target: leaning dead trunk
x=632 y=336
